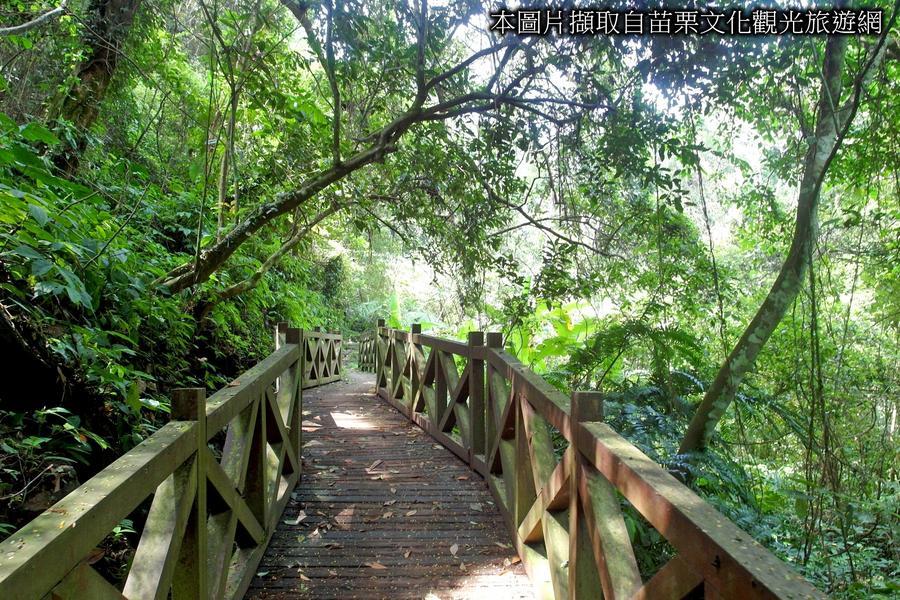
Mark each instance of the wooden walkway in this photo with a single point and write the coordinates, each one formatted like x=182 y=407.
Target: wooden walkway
x=383 y=511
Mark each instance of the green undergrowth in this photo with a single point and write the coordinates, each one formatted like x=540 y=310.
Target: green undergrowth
x=77 y=264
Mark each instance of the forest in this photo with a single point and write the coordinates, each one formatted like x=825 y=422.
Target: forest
x=706 y=228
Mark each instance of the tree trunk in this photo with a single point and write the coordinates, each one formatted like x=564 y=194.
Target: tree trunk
x=109 y=24
x=227 y=159
x=787 y=285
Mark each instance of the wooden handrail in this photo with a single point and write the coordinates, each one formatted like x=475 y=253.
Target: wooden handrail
x=565 y=514
x=210 y=519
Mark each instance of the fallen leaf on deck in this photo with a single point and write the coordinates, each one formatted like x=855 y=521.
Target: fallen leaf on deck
x=375 y=565
x=300 y=516
x=476 y=506
x=407 y=553
x=387 y=515
x=374 y=464
x=389 y=502
x=462 y=478
x=502 y=545
x=454 y=549
x=410 y=513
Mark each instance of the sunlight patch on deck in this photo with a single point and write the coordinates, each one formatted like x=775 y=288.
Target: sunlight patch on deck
x=348 y=421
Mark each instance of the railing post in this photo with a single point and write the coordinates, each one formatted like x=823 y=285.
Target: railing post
x=380 y=359
x=295 y=336
x=495 y=342
x=303 y=348
x=280 y=332
x=587 y=406
x=190 y=578
x=584 y=580
x=476 y=398
x=414 y=329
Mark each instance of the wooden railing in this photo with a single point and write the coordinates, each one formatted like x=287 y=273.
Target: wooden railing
x=366 y=357
x=323 y=357
x=563 y=506
x=215 y=505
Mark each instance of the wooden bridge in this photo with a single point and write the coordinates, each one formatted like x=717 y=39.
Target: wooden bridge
x=450 y=471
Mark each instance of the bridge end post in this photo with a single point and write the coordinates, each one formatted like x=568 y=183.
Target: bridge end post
x=294 y=335
x=587 y=406
x=476 y=400
x=190 y=577
x=280 y=328
x=494 y=341
x=584 y=580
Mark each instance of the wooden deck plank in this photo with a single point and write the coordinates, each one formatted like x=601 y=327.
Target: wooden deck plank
x=376 y=490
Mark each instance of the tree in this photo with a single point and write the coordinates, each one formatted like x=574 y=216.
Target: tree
x=441 y=90
x=105 y=33
x=833 y=120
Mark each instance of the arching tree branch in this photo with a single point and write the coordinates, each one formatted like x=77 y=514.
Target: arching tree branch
x=35 y=22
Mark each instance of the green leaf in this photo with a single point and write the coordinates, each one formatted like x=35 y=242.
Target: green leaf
x=394 y=318
x=27 y=252
x=40 y=267
x=34 y=441
x=39 y=214
x=75 y=288
x=35 y=132
x=6 y=124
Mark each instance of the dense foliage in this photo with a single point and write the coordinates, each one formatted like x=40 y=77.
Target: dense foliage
x=177 y=177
